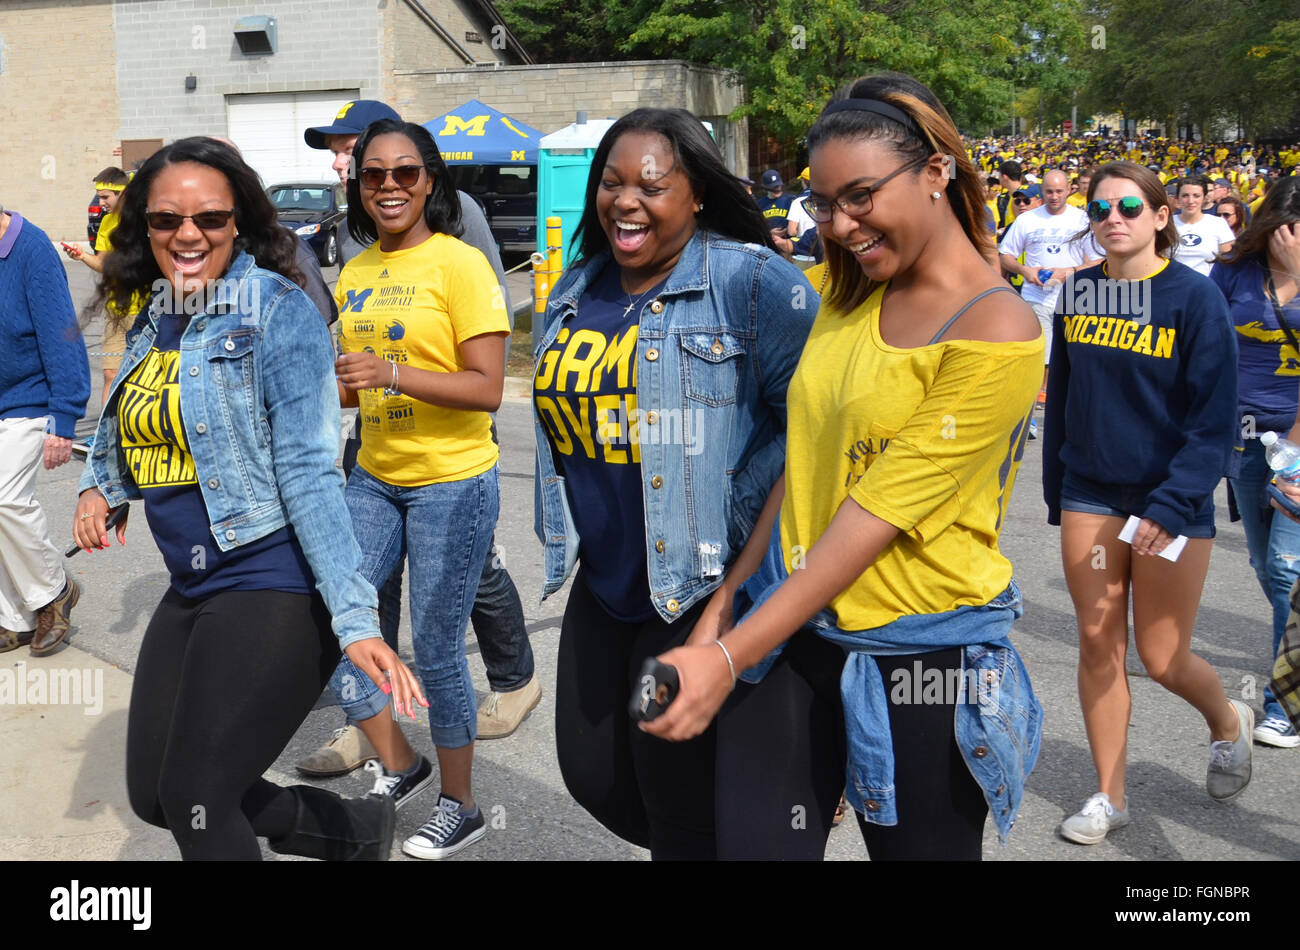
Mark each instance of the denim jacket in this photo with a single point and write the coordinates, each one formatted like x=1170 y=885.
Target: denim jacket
x=260 y=406
x=998 y=721
x=715 y=352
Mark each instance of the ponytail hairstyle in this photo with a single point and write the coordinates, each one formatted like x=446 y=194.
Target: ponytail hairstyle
x=923 y=129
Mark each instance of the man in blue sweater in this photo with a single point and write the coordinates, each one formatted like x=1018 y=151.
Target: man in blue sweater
x=44 y=385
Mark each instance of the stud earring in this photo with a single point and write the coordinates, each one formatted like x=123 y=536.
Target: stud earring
x=935 y=196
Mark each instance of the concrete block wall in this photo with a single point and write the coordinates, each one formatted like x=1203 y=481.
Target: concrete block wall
x=159 y=42
x=549 y=97
x=58 y=109
x=416 y=46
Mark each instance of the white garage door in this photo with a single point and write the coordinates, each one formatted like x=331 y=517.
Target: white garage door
x=268 y=130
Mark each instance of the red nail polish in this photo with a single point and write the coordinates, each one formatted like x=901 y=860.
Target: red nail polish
x=386 y=688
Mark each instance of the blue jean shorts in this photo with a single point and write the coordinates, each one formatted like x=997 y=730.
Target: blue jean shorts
x=1125 y=501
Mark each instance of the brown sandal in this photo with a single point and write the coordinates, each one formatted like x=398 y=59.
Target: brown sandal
x=9 y=640
x=840 y=811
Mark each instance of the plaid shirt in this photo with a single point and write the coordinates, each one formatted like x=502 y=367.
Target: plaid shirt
x=1286 y=671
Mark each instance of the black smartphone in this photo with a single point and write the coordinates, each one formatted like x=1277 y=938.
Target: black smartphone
x=656 y=687
x=1280 y=497
x=114 y=519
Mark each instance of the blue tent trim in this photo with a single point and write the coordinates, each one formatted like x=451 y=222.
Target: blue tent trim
x=477 y=134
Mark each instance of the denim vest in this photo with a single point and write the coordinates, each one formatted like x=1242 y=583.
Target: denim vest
x=997 y=718
x=715 y=352
x=260 y=406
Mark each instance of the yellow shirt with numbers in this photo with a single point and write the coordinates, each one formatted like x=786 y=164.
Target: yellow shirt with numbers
x=417 y=307
x=928 y=439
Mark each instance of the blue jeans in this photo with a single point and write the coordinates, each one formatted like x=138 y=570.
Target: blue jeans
x=497 y=619
x=1273 y=540
x=449 y=527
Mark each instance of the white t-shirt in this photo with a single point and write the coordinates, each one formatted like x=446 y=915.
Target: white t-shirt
x=799 y=216
x=1199 y=242
x=1049 y=241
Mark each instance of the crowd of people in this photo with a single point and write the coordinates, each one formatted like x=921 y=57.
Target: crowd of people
x=749 y=467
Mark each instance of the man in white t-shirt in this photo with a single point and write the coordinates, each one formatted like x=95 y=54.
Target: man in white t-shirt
x=1048 y=237
x=1201 y=236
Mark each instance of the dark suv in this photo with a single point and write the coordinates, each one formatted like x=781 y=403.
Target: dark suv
x=314 y=211
x=508 y=196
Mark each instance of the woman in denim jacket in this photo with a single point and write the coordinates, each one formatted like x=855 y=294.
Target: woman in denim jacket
x=659 y=393
x=908 y=415
x=224 y=419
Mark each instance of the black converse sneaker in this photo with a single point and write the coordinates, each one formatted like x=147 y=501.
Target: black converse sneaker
x=447 y=831
x=401 y=787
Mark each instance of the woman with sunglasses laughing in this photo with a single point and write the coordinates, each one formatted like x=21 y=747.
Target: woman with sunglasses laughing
x=1141 y=426
x=423 y=330
x=224 y=420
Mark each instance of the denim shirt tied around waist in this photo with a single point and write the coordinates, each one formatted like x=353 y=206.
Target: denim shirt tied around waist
x=260 y=407
x=998 y=719
x=715 y=352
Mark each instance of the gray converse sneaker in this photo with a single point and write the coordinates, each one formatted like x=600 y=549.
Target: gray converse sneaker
x=1095 y=818
x=1229 y=771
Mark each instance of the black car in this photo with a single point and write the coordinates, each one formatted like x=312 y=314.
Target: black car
x=94 y=215
x=508 y=196
x=315 y=211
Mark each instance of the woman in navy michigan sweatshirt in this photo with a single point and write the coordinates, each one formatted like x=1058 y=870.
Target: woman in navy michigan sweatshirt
x=1141 y=422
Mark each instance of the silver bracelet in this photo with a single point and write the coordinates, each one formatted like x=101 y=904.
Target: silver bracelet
x=393 y=390
x=731 y=666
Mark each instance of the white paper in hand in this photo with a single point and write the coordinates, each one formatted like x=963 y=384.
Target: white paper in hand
x=1170 y=553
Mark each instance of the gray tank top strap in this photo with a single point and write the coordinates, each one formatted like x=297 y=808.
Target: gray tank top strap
x=970 y=303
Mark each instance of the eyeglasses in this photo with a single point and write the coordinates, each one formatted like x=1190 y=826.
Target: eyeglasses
x=1129 y=207
x=404 y=176
x=204 y=220
x=856 y=202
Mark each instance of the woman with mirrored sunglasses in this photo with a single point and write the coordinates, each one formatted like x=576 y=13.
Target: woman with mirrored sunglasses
x=1141 y=425
x=224 y=420
x=1259 y=278
x=422 y=333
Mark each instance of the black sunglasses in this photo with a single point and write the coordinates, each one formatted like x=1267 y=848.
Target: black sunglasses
x=204 y=220
x=404 y=176
x=1129 y=207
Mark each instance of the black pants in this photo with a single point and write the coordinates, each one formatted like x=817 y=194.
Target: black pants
x=221 y=686
x=651 y=792
x=781 y=758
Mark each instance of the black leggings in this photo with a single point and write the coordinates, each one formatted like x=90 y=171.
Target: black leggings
x=651 y=792
x=221 y=686
x=941 y=808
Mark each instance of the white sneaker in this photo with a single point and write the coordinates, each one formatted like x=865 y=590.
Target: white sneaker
x=1277 y=732
x=1095 y=818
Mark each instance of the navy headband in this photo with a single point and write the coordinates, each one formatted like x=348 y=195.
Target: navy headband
x=879 y=108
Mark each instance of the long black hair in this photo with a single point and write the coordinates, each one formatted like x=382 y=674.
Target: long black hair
x=932 y=131
x=132 y=271
x=1280 y=207
x=441 y=208
x=727 y=208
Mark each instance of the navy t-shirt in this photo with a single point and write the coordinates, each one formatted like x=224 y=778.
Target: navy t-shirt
x=154 y=443
x=775 y=211
x=585 y=395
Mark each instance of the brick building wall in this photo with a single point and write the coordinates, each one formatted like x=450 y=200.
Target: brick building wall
x=58 y=109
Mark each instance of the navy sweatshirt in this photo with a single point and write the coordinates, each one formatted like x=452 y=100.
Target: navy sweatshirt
x=1142 y=391
x=44 y=370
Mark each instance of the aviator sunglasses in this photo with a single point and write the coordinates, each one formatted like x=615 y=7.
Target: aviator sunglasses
x=1129 y=207
x=404 y=176
x=204 y=220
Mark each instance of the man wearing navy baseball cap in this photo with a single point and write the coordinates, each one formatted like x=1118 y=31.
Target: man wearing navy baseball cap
x=775 y=207
x=498 y=615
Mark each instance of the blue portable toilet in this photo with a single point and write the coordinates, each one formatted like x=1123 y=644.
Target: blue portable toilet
x=563 y=163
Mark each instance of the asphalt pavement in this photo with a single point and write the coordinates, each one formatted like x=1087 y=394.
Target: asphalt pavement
x=62 y=788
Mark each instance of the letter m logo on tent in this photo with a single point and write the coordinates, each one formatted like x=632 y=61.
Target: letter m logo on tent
x=356 y=300
x=474 y=126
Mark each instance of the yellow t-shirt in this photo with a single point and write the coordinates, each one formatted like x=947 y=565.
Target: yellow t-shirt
x=416 y=307
x=928 y=439
x=1077 y=200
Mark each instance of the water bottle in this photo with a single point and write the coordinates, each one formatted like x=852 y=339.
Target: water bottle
x=1045 y=274
x=1283 y=456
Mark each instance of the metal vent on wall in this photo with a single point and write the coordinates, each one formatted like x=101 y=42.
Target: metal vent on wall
x=256 y=35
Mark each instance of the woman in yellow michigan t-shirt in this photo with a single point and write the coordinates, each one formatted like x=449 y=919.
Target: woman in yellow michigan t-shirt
x=423 y=328
x=907 y=417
